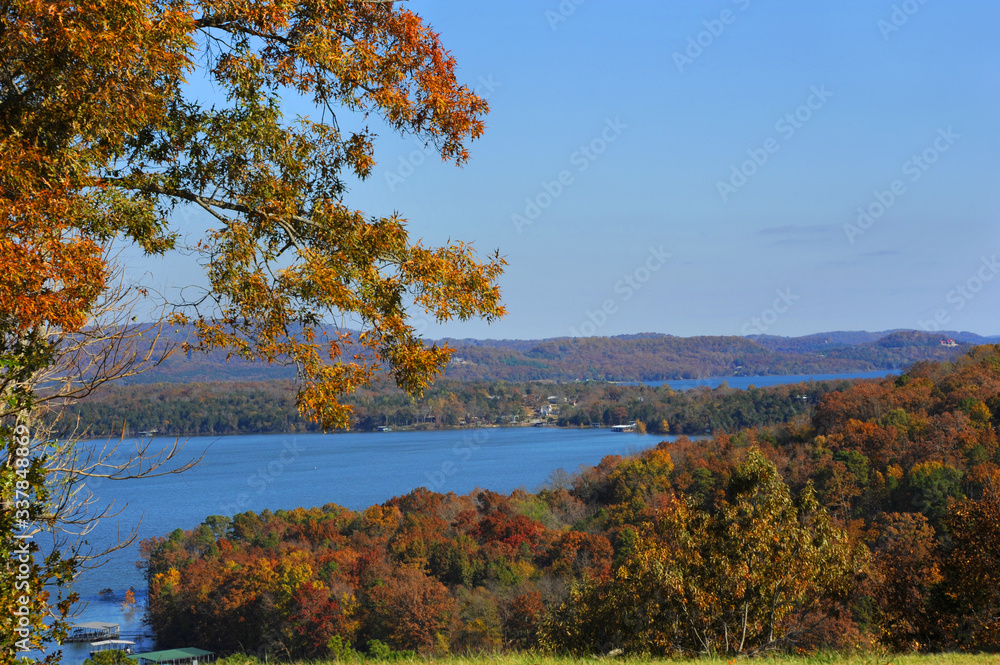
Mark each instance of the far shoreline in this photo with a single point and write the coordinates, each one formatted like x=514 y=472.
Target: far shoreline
x=710 y=383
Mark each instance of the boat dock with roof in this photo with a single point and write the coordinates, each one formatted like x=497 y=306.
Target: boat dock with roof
x=185 y=656
x=93 y=631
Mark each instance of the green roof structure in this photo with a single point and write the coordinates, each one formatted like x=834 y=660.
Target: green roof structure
x=185 y=655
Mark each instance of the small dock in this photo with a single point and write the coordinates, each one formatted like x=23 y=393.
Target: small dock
x=93 y=631
x=124 y=646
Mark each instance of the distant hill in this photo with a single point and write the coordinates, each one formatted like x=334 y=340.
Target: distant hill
x=664 y=357
x=824 y=342
x=641 y=357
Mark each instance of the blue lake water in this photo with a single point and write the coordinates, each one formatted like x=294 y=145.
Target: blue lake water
x=744 y=382
x=355 y=470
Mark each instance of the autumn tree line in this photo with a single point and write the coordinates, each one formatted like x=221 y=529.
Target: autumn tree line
x=874 y=522
x=261 y=407
x=643 y=357
x=658 y=357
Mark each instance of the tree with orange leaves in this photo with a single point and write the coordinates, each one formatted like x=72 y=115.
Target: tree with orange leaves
x=101 y=142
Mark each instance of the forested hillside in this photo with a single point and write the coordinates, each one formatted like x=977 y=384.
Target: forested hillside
x=647 y=357
x=664 y=357
x=875 y=522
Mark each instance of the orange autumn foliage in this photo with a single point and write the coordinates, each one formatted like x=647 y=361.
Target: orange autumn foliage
x=874 y=525
x=103 y=141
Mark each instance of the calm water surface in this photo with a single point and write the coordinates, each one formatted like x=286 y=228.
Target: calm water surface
x=744 y=382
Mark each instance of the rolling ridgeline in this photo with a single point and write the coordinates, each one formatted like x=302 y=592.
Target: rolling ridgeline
x=644 y=357
x=489 y=382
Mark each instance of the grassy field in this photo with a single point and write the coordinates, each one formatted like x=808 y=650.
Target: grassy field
x=818 y=659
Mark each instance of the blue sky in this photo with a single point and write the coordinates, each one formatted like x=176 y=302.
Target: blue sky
x=723 y=167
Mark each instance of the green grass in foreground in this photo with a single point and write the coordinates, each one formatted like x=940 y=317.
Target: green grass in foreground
x=818 y=659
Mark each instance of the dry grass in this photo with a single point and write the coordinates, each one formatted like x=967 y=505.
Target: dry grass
x=818 y=659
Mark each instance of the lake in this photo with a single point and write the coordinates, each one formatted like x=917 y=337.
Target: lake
x=355 y=470
x=744 y=382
